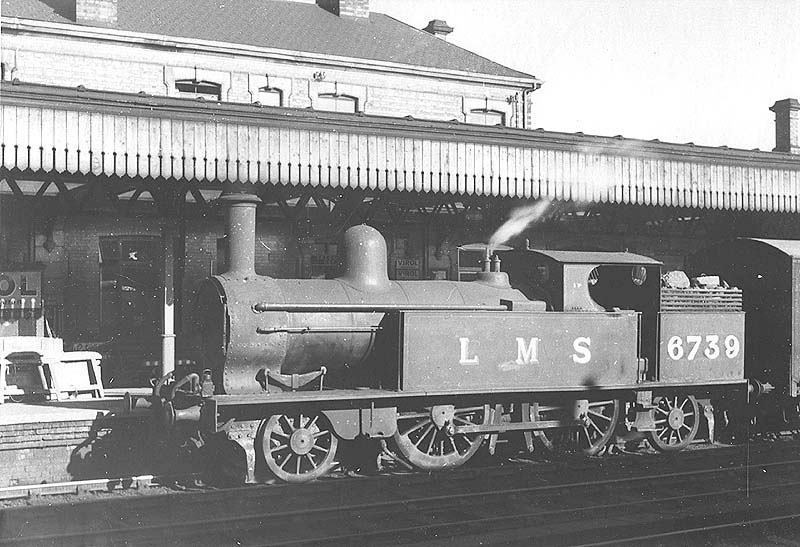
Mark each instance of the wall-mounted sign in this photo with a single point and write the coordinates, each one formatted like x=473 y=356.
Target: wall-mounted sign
x=407 y=268
x=20 y=290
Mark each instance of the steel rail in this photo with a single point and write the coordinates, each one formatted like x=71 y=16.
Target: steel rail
x=173 y=527
x=690 y=531
x=361 y=535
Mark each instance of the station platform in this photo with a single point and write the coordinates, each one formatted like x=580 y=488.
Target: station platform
x=78 y=409
x=79 y=439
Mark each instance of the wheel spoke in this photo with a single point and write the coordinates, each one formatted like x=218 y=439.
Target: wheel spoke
x=453 y=444
x=430 y=443
x=598 y=415
x=312 y=422
x=429 y=427
x=280 y=447
x=594 y=426
x=312 y=460
x=319 y=434
x=289 y=426
x=417 y=426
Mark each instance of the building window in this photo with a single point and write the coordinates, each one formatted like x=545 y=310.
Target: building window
x=332 y=102
x=482 y=116
x=211 y=91
x=270 y=96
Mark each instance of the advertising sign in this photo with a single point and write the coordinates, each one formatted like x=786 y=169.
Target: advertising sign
x=20 y=290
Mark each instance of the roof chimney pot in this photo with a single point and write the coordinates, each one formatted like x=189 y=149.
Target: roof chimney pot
x=356 y=9
x=787 y=126
x=101 y=13
x=439 y=28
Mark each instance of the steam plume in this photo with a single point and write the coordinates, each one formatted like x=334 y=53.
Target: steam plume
x=517 y=221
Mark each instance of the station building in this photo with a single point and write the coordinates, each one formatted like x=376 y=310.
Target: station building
x=123 y=121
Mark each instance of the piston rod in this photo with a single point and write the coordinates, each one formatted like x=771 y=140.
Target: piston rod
x=367 y=308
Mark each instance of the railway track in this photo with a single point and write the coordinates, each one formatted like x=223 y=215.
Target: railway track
x=607 y=501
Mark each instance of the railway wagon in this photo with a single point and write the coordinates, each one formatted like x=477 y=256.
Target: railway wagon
x=572 y=345
x=768 y=272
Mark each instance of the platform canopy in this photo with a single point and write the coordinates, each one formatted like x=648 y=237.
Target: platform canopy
x=61 y=132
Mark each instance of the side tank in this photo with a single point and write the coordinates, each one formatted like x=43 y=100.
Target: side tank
x=294 y=326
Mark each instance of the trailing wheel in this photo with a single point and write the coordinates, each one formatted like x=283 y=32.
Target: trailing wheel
x=428 y=439
x=597 y=428
x=298 y=447
x=677 y=420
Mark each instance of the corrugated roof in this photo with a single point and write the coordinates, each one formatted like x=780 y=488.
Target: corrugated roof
x=595 y=257
x=278 y=24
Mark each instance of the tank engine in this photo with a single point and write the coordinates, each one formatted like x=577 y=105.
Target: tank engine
x=584 y=346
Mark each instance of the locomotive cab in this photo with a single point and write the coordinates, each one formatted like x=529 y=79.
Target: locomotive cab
x=585 y=281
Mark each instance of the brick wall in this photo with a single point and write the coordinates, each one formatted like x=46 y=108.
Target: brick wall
x=107 y=447
x=127 y=68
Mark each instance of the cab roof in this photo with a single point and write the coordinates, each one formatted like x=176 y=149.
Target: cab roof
x=596 y=257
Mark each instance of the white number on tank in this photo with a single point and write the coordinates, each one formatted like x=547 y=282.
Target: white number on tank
x=731 y=346
x=677 y=347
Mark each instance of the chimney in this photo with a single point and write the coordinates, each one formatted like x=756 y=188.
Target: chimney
x=787 y=126
x=240 y=229
x=439 y=28
x=355 y=9
x=96 y=12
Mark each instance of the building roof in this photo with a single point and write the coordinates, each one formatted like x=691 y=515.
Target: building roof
x=281 y=25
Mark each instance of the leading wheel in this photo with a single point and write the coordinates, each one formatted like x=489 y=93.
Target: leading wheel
x=677 y=421
x=298 y=447
x=428 y=439
x=592 y=436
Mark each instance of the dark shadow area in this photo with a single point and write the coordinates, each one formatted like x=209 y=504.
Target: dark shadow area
x=64 y=8
x=124 y=448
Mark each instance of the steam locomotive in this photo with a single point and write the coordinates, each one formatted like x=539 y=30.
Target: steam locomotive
x=558 y=345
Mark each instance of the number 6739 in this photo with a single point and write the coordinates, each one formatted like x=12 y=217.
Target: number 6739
x=691 y=345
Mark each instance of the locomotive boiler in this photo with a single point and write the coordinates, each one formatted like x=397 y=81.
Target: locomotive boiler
x=259 y=331
x=575 y=349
